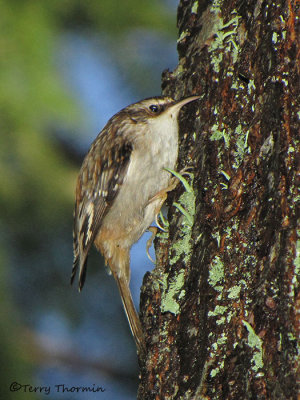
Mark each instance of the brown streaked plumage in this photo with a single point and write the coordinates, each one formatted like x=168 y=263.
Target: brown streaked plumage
x=121 y=187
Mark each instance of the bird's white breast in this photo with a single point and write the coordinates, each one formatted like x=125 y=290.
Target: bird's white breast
x=154 y=149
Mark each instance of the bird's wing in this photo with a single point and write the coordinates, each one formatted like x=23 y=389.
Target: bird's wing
x=99 y=181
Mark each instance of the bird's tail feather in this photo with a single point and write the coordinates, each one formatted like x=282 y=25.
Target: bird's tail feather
x=82 y=270
x=132 y=315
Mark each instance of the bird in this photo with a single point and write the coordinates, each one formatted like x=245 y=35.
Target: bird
x=121 y=187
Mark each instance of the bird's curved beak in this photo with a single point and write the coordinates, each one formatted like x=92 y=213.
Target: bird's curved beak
x=180 y=103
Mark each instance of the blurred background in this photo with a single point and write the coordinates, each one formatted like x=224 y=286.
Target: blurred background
x=66 y=66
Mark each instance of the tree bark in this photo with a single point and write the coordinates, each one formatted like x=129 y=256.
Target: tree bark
x=219 y=308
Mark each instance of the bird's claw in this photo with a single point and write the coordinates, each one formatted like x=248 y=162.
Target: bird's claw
x=152 y=229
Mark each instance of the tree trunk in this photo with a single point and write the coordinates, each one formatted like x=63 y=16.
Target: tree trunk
x=219 y=309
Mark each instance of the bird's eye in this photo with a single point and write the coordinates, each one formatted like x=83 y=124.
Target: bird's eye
x=154 y=108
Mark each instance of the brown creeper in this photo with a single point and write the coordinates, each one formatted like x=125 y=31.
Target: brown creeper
x=121 y=187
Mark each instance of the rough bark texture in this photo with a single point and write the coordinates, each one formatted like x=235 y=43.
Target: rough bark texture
x=219 y=309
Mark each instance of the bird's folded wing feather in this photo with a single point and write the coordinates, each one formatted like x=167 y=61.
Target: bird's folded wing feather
x=98 y=184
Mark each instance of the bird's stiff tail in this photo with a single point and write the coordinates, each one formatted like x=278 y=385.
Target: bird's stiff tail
x=119 y=264
x=132 y=315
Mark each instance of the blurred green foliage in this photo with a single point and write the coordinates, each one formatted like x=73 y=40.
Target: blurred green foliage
x=36 y=179
x=33 y=97
x=14 y=358
x=112 y=16
x=33 y=174
x=36 y=183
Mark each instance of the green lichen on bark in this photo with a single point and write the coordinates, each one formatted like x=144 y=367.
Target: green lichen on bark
x=234 y=292
x=172 y=291
x=195 y=7
x=172 y=287
x=256 y=344
x=216 y=273
x=181 y=249
x=224 y=39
